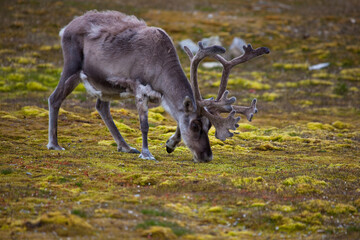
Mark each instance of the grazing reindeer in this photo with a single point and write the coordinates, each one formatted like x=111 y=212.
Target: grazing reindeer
x=115 y=55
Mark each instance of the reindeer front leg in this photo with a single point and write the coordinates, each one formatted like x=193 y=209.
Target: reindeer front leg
x=173 y=141
x=104 y=110
x=142 y=100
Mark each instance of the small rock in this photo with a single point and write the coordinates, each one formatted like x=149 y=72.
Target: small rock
x=319 y=66
x=190 y=44
x=210 y=65
x=236 y=48
x=211 y=41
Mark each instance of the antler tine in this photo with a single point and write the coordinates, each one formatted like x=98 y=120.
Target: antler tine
x=247 y=111
x=250 y=53
x=188 y=52
x=222 y=105
x=222 y=125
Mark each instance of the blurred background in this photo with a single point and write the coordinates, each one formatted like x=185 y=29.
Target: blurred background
x=314 y=60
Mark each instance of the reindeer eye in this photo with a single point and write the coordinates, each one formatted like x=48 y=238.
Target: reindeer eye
x=195 y=126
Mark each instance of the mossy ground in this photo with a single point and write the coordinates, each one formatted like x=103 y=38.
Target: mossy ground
x=293 y=173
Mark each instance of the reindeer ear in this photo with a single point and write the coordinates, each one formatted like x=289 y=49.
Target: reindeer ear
x=188 y=105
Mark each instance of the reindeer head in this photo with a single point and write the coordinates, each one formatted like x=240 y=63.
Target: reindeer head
x=207 y=112
x=194 y=130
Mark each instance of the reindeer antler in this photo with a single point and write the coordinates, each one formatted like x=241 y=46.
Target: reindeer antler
x=211 y=108
x=195 y=60
x=249 y=54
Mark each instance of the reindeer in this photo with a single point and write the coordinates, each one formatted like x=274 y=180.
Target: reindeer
x=116 y=55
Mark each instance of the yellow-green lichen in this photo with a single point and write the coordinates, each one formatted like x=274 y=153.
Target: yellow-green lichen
x=249 y=183
x=22 y=60
x=284 y=208
x=9 y=116
x=247 y=126
x=323 y=75
x=245 y=234
x=147 y=180
x=112 y=213
x=341 y=125
x=15 y=77
x=80 y=88
x=45 y=65
x=215 y=209
x=341 y=208
x=353 y=48
x=302 y=179
x=270 y=97
x=319 y=126
x=267 y=146
x=331 y=208
x=35 y=86
x=244 y=83
x=63 y=224
x=107 y=142
x=305 y=184
x=34 y=111
x=292 y=226
x=258 y=204
x=291 y=66
x=158 y=109
x=305 y=103
x=158 y=232
x=315 y=218
x=123 y=127
x=314 y=82
x=180 y=208
x=352 y=74
x=357 y=203
x=155 y=117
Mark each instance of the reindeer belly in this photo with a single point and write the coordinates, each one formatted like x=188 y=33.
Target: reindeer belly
x=108 y=89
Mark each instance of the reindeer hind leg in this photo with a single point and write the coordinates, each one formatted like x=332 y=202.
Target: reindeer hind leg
x=68 y=81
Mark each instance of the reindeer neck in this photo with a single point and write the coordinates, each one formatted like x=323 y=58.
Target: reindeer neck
x=175 y=87
x=172 y=81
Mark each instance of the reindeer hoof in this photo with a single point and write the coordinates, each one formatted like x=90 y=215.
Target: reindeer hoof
x=131 y=150
x=169 y=149
x=148 y=156
x=134 y=150
x=54 y=147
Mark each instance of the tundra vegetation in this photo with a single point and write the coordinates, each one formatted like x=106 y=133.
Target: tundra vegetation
x=292 y=173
